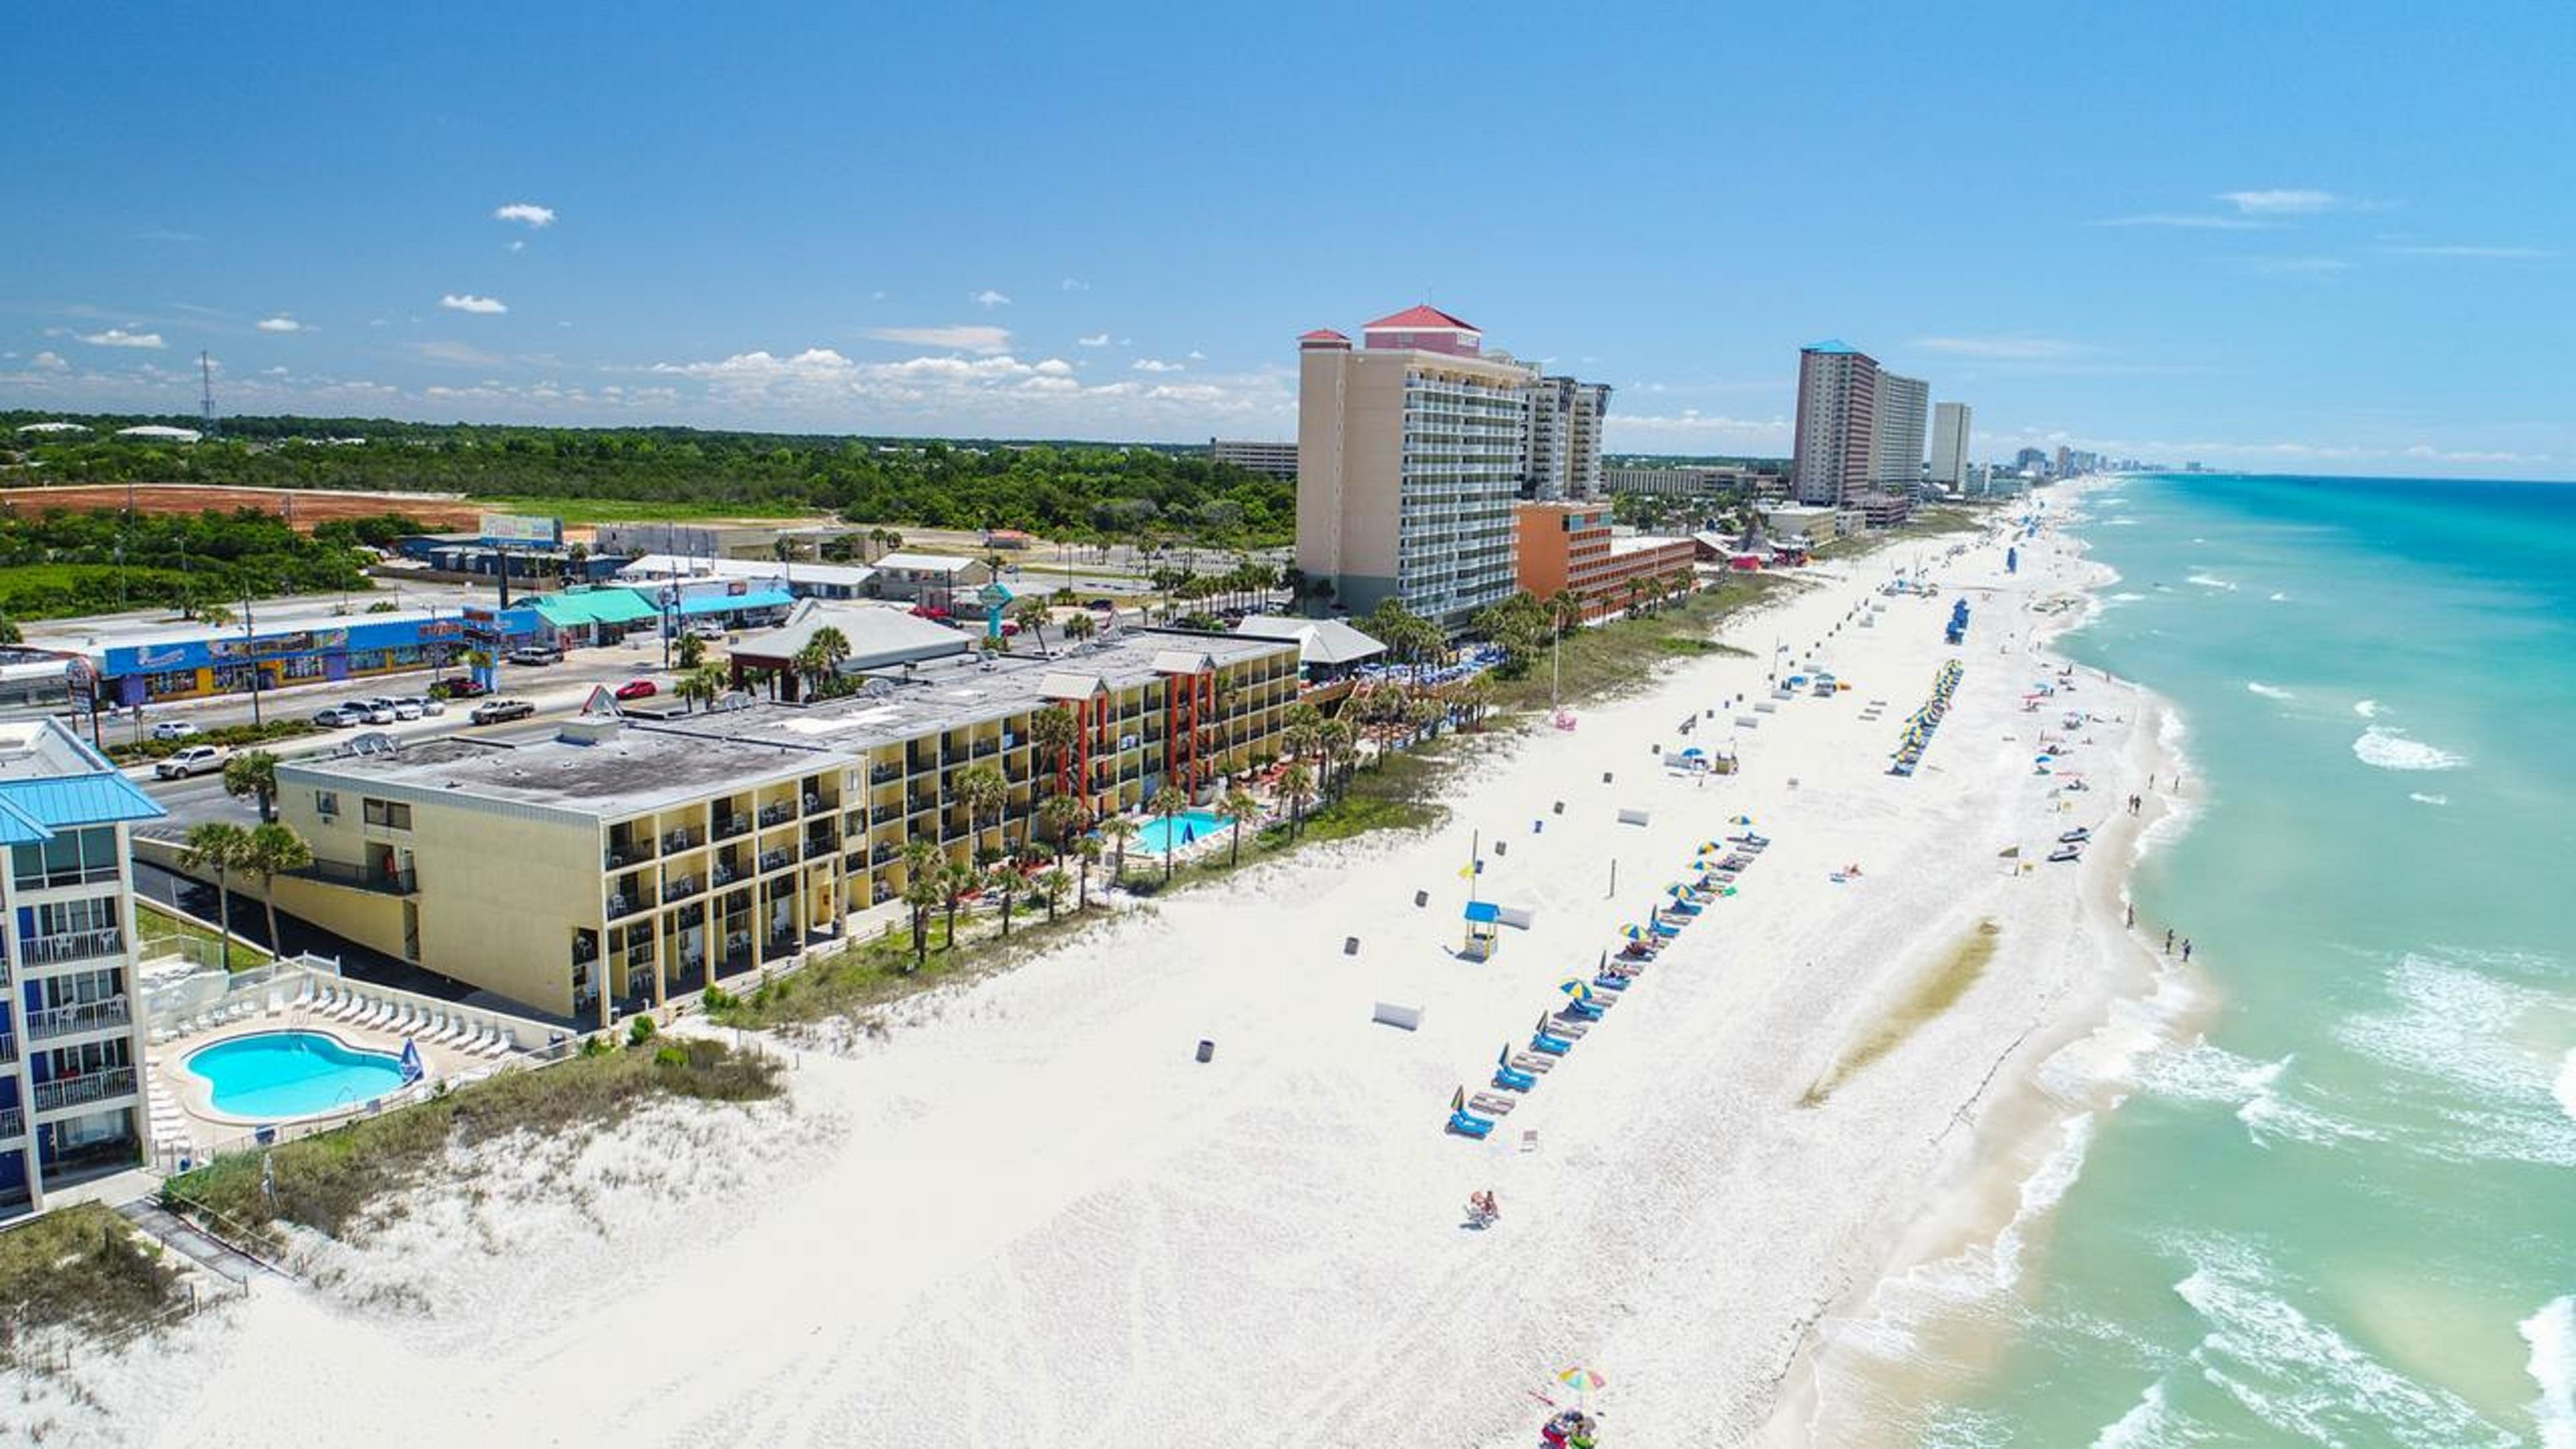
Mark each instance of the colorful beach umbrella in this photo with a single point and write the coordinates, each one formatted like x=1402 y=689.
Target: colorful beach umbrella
x=1678 y=892
x=1458 y=1100
x=1633 y=933
x=1580 y=1379
x=1740 y=820
x=1576 y=989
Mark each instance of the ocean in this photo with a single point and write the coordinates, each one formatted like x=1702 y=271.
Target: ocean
x=2340 y=1209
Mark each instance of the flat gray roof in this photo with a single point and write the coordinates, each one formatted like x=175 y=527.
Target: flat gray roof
x=651 y=764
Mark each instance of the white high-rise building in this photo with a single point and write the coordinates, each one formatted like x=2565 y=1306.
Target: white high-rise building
x=1409 y=459
x=1562 y=454
x=1950 y=446
x=1896 y=434
x=71 y=1020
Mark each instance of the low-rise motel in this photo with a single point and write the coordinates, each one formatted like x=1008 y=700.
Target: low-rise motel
x=628 y=860
x=1571 y=548
x=70 y=1036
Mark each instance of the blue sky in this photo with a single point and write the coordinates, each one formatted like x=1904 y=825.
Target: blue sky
x=2289 y=237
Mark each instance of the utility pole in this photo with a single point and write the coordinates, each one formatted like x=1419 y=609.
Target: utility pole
x=250 y=651
x=206 y=397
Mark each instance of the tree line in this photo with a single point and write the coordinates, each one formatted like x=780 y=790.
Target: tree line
x=1062 y=489
x=60 y=563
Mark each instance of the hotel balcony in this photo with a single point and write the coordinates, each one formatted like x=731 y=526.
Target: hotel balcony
x=71 y=946
x=777 y=814
x=8 y=1048
x=13 y=1125
x=362 y=877
x=114 y=1012
x=83 y=1090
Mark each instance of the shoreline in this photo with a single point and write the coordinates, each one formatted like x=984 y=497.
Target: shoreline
x=1983 y=1229
x=1030 y=1206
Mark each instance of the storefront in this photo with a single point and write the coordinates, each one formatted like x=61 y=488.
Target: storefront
x=357 y=648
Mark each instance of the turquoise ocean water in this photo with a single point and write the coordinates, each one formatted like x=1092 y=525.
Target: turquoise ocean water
x=2345 y=1214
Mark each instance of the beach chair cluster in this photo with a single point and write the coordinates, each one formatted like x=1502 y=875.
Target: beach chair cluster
x=427 y=1025
x=1715 y=868
x=1920 y=724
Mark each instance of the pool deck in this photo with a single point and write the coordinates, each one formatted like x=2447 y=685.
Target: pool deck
x=181 y=1101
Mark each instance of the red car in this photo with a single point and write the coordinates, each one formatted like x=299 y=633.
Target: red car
x=636 y=689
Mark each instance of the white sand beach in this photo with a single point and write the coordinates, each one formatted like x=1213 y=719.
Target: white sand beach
x=1030 y=1217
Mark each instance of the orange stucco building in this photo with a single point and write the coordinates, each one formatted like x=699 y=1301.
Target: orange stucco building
x=1569 y=546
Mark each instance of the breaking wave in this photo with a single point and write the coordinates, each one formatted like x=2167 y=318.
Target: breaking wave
x=2389 y=750
x=2268 y=691
x=2552 y=1335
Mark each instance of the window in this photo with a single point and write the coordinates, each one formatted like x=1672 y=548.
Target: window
x=390 y=814
x=72 y=857
x=326 y=803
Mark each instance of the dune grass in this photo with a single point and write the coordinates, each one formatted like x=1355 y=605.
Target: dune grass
x=1936 y=992
x=80 y=1267
x=328 y=1181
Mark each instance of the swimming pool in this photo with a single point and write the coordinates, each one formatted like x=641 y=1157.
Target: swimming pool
x=292 y=1074
x=1182 y=830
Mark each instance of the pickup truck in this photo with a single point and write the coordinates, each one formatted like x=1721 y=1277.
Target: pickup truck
x=495 y=711
x=194 y=760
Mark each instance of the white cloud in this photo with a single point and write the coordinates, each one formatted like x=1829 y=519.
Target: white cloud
x=2003 y=349
x=119 y=337
x=49 y=362
x=2470 y=455
x=2191 y=221
x=1197 y=356
x=1096 y=339
x=1156 y=364
x=2287 y=202
x=272 y=372
x=279 y=323
x=988 y=298
x=963 y=338
x=518 y=245
x=525 y=211
x=1076 y=284
x=2518 y=254
x=468 y=302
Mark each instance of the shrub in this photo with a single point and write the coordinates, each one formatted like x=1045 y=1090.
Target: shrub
x=639 y=1031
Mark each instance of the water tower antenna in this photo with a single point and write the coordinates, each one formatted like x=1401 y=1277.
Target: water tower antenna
x=206 y=397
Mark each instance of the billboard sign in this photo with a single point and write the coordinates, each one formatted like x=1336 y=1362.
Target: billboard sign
x=517 y=531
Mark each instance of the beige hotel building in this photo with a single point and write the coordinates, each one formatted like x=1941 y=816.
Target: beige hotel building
x=629 y=860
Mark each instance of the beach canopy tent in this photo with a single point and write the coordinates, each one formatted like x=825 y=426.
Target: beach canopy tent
x=1484 y=929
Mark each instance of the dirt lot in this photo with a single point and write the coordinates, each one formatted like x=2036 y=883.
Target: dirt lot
x=305 y=507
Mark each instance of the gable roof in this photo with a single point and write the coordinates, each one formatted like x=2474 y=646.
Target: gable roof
x=1424 y=318
x=1069 y=684
x=1320 y=334
x=1319 y=641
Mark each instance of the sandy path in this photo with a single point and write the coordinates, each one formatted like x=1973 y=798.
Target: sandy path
x=1033 y=1219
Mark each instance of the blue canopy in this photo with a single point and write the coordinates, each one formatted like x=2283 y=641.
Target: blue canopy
x=1484 y=911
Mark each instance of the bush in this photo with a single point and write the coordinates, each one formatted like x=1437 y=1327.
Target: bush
x=671 y=1056
x=226 y=736
x=639 y=1031
x=716 y=998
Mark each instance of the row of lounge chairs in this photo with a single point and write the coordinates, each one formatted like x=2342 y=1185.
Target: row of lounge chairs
x=427 y=1025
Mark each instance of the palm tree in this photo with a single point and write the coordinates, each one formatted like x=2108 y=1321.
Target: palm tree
x=1005 y=875
x=1087 y=852
x=957 y=880
x=1060 y=816
x=1053 y=730
x=1238 y=807
x=253 y=772
x=1052 y=886
x=1168 y=803
x=1079 y=627
x=1334 y=740
x=921 y=863
x=1296 y=782
x=983 y=791
x=218 y=847
x=1120 y=830
x=692 y=651
x=702 y=685
x=268 y=852
x=831 y=646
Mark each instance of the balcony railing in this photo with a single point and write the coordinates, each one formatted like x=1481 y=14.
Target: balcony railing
x=774 y=859
x=8 y=1048
x=729 y=826
x=680 y=840
x=13 y=1123
x=884 y=774
x=114 y=1012
x=814 y=848
x=625 y=904
x=626 y=853
x=80 y=1091
x=778 y=814
x=73 y=946
x=687 y=885
x=405 y=882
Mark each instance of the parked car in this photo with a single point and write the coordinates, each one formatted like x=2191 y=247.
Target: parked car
x=194 y=760
x=535 y=654
x=464 y=686
x=427 y=704
x=339 y=717
x=637 y=689
x=705 y=629
x=497 y=711
x=1102 y=606
x=173 y=729
x=379 y=711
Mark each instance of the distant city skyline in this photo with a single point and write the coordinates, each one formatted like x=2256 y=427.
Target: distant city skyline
x=2241 y=249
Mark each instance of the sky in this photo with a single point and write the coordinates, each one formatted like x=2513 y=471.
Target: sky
x=2286 y=237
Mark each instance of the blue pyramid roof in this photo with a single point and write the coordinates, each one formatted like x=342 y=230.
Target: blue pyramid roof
x=1830 y=344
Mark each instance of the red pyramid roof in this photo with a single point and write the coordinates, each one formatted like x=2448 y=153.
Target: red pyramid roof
x=1420 y=319
x=1322 y=334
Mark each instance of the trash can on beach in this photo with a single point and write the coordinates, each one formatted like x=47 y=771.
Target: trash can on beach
x=1207 y=1050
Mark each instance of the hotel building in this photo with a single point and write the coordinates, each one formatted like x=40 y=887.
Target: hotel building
x=1896 y=435
x=71 y=1040
x=1837 y=415
x=630 y=860
x=1569 y=547
x=1409 y=459
x=1562 y=448
x=1950 y=447
x=1279 y=460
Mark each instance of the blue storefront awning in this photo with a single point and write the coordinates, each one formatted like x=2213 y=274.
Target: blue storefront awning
x=697 y=604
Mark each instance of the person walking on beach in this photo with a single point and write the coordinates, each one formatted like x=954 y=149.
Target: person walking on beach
x=2133 y=915
x=2186 y=950
x=2168 y=940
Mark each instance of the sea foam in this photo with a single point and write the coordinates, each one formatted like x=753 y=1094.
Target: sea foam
x=2420 y=798
x=2456 y=1025
x=2203 y=1072
x=2566 y=1088
x=2366 y=708
x=2552 y=1335
x=2303 y=1377
x=2389 y=750
x=2210 y=581
x=2042 y=1191
x=2268 y=691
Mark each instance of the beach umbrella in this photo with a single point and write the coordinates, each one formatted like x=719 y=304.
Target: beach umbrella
x=1678 y=891
x=1575 y=989
x=1503 y=1058
x=1740 y=820
x=1711 y=847
x=1580 y=1379
x=1633 y=933
x=1458 y=1100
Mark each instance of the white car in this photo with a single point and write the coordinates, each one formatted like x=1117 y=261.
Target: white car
x=406 y=709
x=429 y=704
x=378 y=711
x=194 y=760
x=173 y=729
